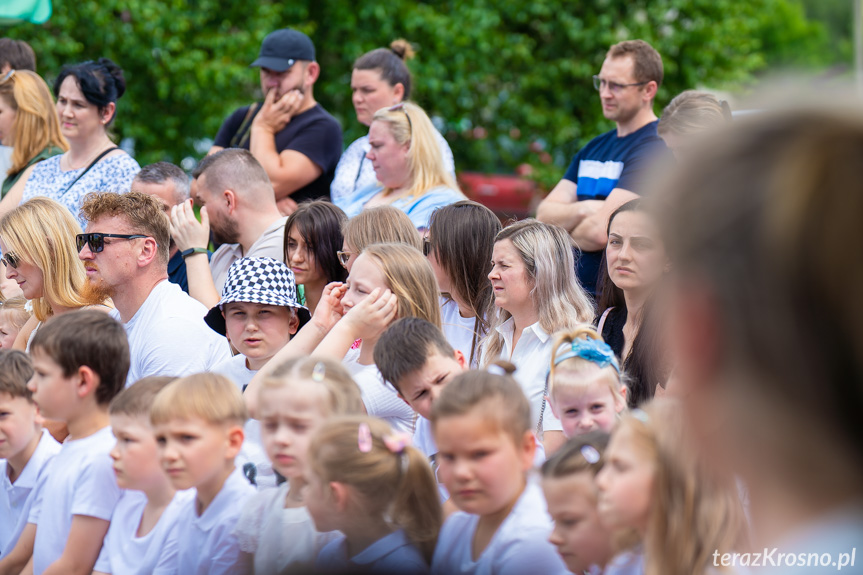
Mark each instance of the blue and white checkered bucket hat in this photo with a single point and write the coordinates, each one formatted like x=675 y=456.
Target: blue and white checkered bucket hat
x=258 y=280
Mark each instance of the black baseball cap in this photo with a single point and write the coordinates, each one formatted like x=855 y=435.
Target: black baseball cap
x=281 y=50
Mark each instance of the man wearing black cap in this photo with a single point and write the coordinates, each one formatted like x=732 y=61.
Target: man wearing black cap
x=296 y=141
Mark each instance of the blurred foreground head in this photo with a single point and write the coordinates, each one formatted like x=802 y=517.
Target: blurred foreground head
x=764 y=227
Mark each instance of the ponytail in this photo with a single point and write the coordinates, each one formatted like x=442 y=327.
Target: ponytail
x=416 y=507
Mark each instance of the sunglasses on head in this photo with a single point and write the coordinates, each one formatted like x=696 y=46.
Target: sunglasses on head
x=10 y=259
x=401 y=107
x=7 y=76
x=344 y=257
x=96 y=241
x=426 y=246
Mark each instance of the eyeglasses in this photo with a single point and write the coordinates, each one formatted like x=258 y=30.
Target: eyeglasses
x=344 y=257
x=11 y=260
x=401 y=106
x=7 y=76
x=426 y=246
x=614 y=87
x=96 y=241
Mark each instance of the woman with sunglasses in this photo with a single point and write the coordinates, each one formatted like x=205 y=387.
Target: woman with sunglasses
x=313 y=236
x=28 y=123
x=38 y=240
x=87 y=95
x=380 y=78
x=408 y=164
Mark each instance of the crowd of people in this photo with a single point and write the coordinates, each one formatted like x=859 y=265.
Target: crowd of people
x=303 y=360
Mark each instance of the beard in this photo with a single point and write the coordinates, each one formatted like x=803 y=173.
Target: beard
x=95 y=293
x=225 y=231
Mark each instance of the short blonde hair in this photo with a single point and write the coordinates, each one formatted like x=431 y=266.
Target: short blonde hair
x=342 y=393
x=380 y=225
x=141 y=211
x=42 y=232
x=208 y=396
x=16 y=307
x=578 y=371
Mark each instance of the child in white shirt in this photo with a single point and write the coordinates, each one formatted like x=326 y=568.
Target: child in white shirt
x=143 y=535
x=80 y=361
x=198 y=422
x=365 y=481
x=25 y=448
x=258 y=313
x=482 y=426
x=295 y=400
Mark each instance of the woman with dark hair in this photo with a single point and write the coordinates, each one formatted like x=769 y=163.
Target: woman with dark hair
x=313 y=238
x=636 y=262
x=87 y=95
x=467 y=300
x=380 y=79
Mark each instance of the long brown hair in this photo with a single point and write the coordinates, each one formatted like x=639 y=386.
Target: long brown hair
x=396 y=485
x=451 y=229
x=36 y=123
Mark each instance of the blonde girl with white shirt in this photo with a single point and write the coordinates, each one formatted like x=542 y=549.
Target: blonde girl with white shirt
x=297 y=399
x=536 y=293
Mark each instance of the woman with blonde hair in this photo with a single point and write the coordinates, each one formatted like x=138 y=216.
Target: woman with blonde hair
x=37 y=240
x=379 y=225
x=407 y=160
x=536 y=294
x=28 y=123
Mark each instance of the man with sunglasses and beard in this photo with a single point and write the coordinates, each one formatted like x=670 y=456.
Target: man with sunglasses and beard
x=125 y=254
x=296 y=141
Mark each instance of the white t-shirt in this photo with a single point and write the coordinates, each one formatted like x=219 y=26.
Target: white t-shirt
x=458 y=330
x=279 y=537
x=79 y=480
x=270 y=244
x=17 y=498
x=520 y=545
x=391 y=554
x=168 y=336
x=124 y=553
x=532 y=359
x=208 y=545
x=380 y=399
x=235 y=369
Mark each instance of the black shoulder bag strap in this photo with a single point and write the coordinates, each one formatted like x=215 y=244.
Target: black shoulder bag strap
x=244 y=131
x=87 y=169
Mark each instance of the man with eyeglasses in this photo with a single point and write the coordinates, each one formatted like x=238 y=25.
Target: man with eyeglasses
x=125 y=255
x=296 y=141
x=608 y=171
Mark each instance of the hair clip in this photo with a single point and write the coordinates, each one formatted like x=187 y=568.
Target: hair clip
x=364 y=438
x=495 y=370
x=319 y=371
x=640 y=415
x=590 y=454
x=593 y=350
x=396 y=442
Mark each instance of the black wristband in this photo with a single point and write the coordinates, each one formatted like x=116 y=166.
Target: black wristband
x=192 y=251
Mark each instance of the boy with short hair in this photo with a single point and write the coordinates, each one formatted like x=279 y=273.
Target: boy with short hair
x=25 y=447
x=143 y=534
x=198 y=422
x=80 y=361
x=415 y=357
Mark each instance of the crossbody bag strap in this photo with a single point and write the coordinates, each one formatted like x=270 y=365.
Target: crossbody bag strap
x=87 y=169
x=602 y=319
x=244 y=132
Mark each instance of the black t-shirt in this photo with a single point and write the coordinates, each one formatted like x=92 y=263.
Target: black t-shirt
x=314 y=133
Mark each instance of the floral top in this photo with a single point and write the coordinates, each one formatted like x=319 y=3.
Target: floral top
x=113 y=173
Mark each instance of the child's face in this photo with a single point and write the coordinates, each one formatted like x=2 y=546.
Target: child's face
x=135 y=455
x=53 y=392
x=364 y=278
x=289 y=415
x=8 y=331
x=580 y=538
x=302 y=260
x=421 y=387
x=18 y=424
x=480 y=464
x=584 y=408
x=258 y=331
x=194 y=452
x=625 y=483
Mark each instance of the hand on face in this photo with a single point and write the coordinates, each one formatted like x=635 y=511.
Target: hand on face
x=371 y=317
x=330 y=309
x=277 y=111
x=186 y=230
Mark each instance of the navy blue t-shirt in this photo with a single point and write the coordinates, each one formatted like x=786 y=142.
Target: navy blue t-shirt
x=314 y=133
x=605 y=163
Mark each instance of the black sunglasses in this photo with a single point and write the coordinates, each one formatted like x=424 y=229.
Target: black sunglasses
x=426 y=246
x=10 y=259
x=96 y=241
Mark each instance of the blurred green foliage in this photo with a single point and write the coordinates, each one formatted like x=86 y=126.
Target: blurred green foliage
x=508 y=81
